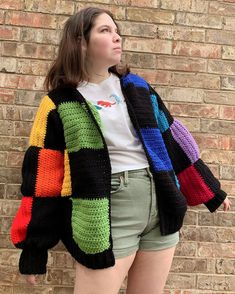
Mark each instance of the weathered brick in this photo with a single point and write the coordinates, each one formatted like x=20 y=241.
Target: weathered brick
x=13 y=192
x=62 y=260
x=15 y=159
x=149 y=45
x=9 y=33
x=205 y=141
x=192 y=124
x=220 y=37
x=222 y=97
x=213 y=234
x=221 y=8
x=153 y=76
x=142 y=3
x=54 y=276
x=30 y=19
x=6 y=96
x=181 y=63
x=28 y=113
x=6 y=128
x=68 y=277
x=217 y=126
x=150 y=15
x=118 y=11
x=199 y=20
x=186 y=249
x=29 y=98
x=12 y=4
x=8 y=207
x=63 y=290
x=216 y=219
x=180 y=94
x=9 y=80
x=12 y=175
x=228 y=52
x=227 y=172
x=11 y=112
x=191 y=265
x=38 y=289
x=31 y=82
x=189 y=233
x=191 y=218
x=181 y=281
x=64 y=7
x=186 y=5
x=194 y=110
x=229 y=186
x=215 y=282
x=228 y=83
x=2 y=191
x=219 y=250
x=197 y=80
x=42 y=36
x=229 y=23
x=31 y=50
x=137 y=29
x=221 y=67
x=34 y=67
x=225 y=266
x=13 y=143
x=139 y=61
x=23 y=128
x=218 y=156
x=3 y=158
x=227 y=112
x=196 y=49
x=6 y=289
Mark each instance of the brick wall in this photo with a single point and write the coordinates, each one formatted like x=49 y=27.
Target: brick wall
x=186 y=50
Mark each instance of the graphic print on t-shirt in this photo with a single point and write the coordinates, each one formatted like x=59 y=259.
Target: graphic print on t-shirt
x=102 y=103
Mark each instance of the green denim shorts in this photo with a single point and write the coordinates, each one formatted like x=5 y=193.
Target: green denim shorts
x=134 y=214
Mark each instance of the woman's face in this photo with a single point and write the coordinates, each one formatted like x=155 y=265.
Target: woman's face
x=104 y=48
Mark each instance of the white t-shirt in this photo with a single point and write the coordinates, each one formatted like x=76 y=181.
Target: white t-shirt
x=125 y=149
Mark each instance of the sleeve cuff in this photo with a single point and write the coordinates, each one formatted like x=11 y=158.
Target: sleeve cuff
x=216 y=201
x=33 y=262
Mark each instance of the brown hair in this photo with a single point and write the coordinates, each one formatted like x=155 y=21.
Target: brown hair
x=68 y=69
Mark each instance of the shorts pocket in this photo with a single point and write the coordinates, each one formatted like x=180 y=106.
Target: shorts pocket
x=116 y=184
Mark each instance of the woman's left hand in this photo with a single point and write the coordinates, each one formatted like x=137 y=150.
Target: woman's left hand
x=227 y=204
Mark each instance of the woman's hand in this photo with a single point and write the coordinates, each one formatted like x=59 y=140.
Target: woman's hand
x=227 y=204
x=31 y=279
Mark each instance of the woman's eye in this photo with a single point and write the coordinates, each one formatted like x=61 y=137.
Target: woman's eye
x=104 y=30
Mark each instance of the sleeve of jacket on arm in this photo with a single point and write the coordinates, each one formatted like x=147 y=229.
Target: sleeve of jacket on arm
x=196 y=180
x=36 y=226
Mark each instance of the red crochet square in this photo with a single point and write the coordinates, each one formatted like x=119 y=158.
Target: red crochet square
x=194 y=187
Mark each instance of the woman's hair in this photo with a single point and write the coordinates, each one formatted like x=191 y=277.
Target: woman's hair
x=69 y=69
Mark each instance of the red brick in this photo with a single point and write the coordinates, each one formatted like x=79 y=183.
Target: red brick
x=31 y=82
x=9 y=80
x=194 y=110
x=205 y=141
x=30 y=19
x=199 y=20
x=12 y=4
x=196 y=49
x=181 y=63
x=9 y=33
x=6 y=96
x=227 y=112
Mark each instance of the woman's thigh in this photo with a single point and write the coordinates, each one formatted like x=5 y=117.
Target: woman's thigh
x=149 y=271
x=102 y=281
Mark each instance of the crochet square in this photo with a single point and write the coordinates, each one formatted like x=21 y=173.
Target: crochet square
x=90 y=224
x=50 y=173
x=194 y=187
x=156 y=149
x=90 y=173
x=80 y=130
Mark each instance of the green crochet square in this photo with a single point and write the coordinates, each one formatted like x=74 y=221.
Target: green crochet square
x=90 y=224
x=80 y=130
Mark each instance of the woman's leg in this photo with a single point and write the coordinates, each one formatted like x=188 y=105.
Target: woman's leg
x=102 y=281
x=149 y=271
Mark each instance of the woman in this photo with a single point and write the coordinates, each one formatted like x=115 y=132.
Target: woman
x=108 y=171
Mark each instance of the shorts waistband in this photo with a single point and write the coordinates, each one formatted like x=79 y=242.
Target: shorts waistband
x=125 y=174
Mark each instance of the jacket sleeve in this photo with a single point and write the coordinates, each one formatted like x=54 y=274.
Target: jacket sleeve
x=36 y=226
x=195 y=179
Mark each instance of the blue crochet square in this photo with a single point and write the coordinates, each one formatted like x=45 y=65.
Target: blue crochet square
x=156 y=149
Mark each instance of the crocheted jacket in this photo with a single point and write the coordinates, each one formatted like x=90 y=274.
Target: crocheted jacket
x=67 y=175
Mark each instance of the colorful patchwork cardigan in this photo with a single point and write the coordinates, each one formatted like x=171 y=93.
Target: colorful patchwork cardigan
x=67 y=175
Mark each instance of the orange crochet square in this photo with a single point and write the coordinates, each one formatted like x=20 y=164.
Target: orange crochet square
x=50 y=173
